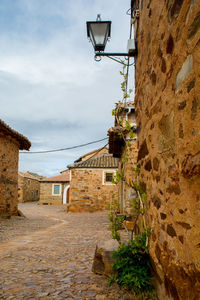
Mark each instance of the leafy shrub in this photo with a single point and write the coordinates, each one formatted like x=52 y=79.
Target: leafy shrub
x=132 y=265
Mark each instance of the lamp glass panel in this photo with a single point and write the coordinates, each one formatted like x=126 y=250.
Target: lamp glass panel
x=99 y=31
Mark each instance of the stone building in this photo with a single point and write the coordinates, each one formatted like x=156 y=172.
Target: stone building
x=55 y=190
x=92 y=154
x=28 y=187
x=10 y=143
x=126 y=152
x=167 y=102
x=64 y=171
x=35 y=175
x=91 y=186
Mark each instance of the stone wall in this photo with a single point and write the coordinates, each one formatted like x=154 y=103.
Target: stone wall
x=9 y=153
x=28 y=189
x=46 y=196
x=94 y=153
x=87 y=191
x=168 y=117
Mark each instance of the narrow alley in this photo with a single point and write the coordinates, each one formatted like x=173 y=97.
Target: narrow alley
x=49 y=254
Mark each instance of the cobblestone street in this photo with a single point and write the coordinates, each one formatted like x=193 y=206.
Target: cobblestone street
x=49 y=254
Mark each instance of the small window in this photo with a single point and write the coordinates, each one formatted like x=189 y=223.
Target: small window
x=37 y=193
x=108 y=176
x=56 y=189
x=32 y=195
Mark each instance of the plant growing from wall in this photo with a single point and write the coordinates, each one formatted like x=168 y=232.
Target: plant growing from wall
x=132 y=266
x=116 y=220
x=131 y=259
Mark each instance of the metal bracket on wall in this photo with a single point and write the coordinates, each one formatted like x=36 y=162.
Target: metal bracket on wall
x=114 y=56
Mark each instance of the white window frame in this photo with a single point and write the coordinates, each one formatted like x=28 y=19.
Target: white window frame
x=104 y=177
x=53 y=189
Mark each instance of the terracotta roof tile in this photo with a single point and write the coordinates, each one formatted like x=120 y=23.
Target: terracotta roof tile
x=59 y=178
x=24 y=143
x=37 y=176
x=102 y=161
x=27 y=175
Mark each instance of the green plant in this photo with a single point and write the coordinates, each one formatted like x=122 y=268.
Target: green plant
x=126 y=93
x=131 y=260
x=118 y=177
x=125 y=158
x=116 y=221
x=132 y=265
x=111 y=280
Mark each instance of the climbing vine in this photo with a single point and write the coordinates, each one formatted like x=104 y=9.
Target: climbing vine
x=131 y=259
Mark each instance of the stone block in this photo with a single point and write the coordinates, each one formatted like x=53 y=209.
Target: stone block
x=185 y=70
x=191 y=165
x=102 y=263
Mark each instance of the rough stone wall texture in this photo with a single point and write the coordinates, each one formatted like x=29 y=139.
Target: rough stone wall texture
x=128 y=163
x=28 y=189
x=168 y=117
x=87 y=193
x=9 y=154
x=20 y=189
x=46 y=196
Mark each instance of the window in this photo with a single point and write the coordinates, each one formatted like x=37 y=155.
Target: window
x=32 y=195
x=37 y=193
x=107 y=177
x=56 y=189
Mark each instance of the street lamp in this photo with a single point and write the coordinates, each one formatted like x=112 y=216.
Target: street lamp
x=98 y=32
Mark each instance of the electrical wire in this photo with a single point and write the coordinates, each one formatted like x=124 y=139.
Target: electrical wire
x=63 y=149
x=96 y=152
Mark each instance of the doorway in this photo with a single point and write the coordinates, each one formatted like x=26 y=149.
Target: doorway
x=66 y=194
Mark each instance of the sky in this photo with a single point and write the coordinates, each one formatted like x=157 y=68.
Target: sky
x=52 y=89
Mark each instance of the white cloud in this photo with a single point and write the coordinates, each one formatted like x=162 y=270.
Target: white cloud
x=51 y=88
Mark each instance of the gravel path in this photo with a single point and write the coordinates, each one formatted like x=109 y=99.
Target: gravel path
x=49 y=254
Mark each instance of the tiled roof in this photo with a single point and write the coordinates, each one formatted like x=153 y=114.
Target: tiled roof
x=102 y=161
x=24 y=143
x=30 y=175
x=27 y=175
x=59 y=178
x=94 y=151
x=39 y=177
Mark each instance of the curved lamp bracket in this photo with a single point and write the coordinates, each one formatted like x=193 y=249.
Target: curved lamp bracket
x=114 y=56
